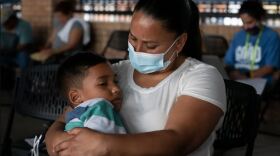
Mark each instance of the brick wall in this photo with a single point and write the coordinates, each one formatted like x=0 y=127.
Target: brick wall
x=39 y=13
x=101 y=33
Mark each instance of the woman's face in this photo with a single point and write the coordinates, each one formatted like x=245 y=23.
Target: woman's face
x=248 y=21
x=62 y=18
x=150 y=36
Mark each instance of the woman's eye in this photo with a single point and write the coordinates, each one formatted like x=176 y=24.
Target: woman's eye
x=132 y=38
x=102 y=83
x=151 y=46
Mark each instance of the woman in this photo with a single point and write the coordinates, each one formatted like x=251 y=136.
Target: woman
x=172 y=103
x=70 y=34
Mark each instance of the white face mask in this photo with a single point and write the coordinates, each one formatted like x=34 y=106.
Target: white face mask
x=148 y=63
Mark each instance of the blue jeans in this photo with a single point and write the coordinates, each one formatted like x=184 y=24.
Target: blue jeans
x=21 y=60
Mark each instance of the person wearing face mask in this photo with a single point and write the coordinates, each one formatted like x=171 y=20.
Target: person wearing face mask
x=172 y=102
x=255 y=50
x=70 y=34
x=15 y=38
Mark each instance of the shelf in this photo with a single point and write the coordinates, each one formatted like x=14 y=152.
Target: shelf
x=105 y=12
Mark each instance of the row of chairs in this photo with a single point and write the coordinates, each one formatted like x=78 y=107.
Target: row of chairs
x=116 y=46
x=36 y=96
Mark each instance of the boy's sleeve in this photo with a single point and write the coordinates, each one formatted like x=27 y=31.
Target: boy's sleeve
x=72 y=118
x=74 y=123
x=102 y=117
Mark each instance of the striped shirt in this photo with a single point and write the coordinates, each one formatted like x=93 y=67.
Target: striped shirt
x=97 y=114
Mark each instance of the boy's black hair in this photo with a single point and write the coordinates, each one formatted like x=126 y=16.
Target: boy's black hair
x=252 y=8
x=74 y=69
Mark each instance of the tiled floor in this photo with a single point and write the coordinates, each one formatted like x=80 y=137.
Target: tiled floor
x=265 y=145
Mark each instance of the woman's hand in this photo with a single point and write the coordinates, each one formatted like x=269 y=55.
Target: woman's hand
x=59 y=139
x=236 y=75
x=46 y=53
x=83 y=142
x=42 y=55
x=56 y=134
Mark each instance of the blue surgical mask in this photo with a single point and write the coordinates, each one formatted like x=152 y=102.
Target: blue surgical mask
x=148 y=63
x=254 y=30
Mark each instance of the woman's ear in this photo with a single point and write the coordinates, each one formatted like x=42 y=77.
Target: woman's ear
x=181 y=42
x=75 y=96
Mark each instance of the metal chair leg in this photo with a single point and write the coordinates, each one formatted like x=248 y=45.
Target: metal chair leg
x=7 y=143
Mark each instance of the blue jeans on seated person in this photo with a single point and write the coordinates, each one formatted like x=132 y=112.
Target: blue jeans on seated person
x=21 y=59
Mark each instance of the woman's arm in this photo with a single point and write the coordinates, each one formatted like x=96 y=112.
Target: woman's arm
x=263 y=71
x=50 y=39
x=189 y=124
x=56 y=133
x=236 y=74
x=75 y=37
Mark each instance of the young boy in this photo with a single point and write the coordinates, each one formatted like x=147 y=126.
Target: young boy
x=90 y=86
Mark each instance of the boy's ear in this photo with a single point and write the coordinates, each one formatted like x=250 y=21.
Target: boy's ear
x=75 y=96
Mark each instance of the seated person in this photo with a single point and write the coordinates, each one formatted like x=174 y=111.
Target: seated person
x=16 y=38
x=90 y=86
x=255 y=50
x=69 y=34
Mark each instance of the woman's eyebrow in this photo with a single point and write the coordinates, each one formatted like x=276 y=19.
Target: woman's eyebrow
x=131 y=34
x=145 y=41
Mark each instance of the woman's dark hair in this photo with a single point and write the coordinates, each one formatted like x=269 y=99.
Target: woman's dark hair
x=74 y=69
x=66 y=7
x=179 y=16
x=253 y=8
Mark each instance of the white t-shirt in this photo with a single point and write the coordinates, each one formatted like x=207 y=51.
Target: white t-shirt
x=147 y=109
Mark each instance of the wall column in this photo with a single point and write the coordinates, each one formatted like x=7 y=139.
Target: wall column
x=39 y=13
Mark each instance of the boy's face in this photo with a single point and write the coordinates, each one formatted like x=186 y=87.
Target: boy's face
x=101 y=82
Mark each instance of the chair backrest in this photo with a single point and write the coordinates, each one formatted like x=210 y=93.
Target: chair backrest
x=216 y=62
x=215 y=45
x=240 y=125
x=7 y=77
x=36 y=94
x=7 y=81
x=117 y=45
